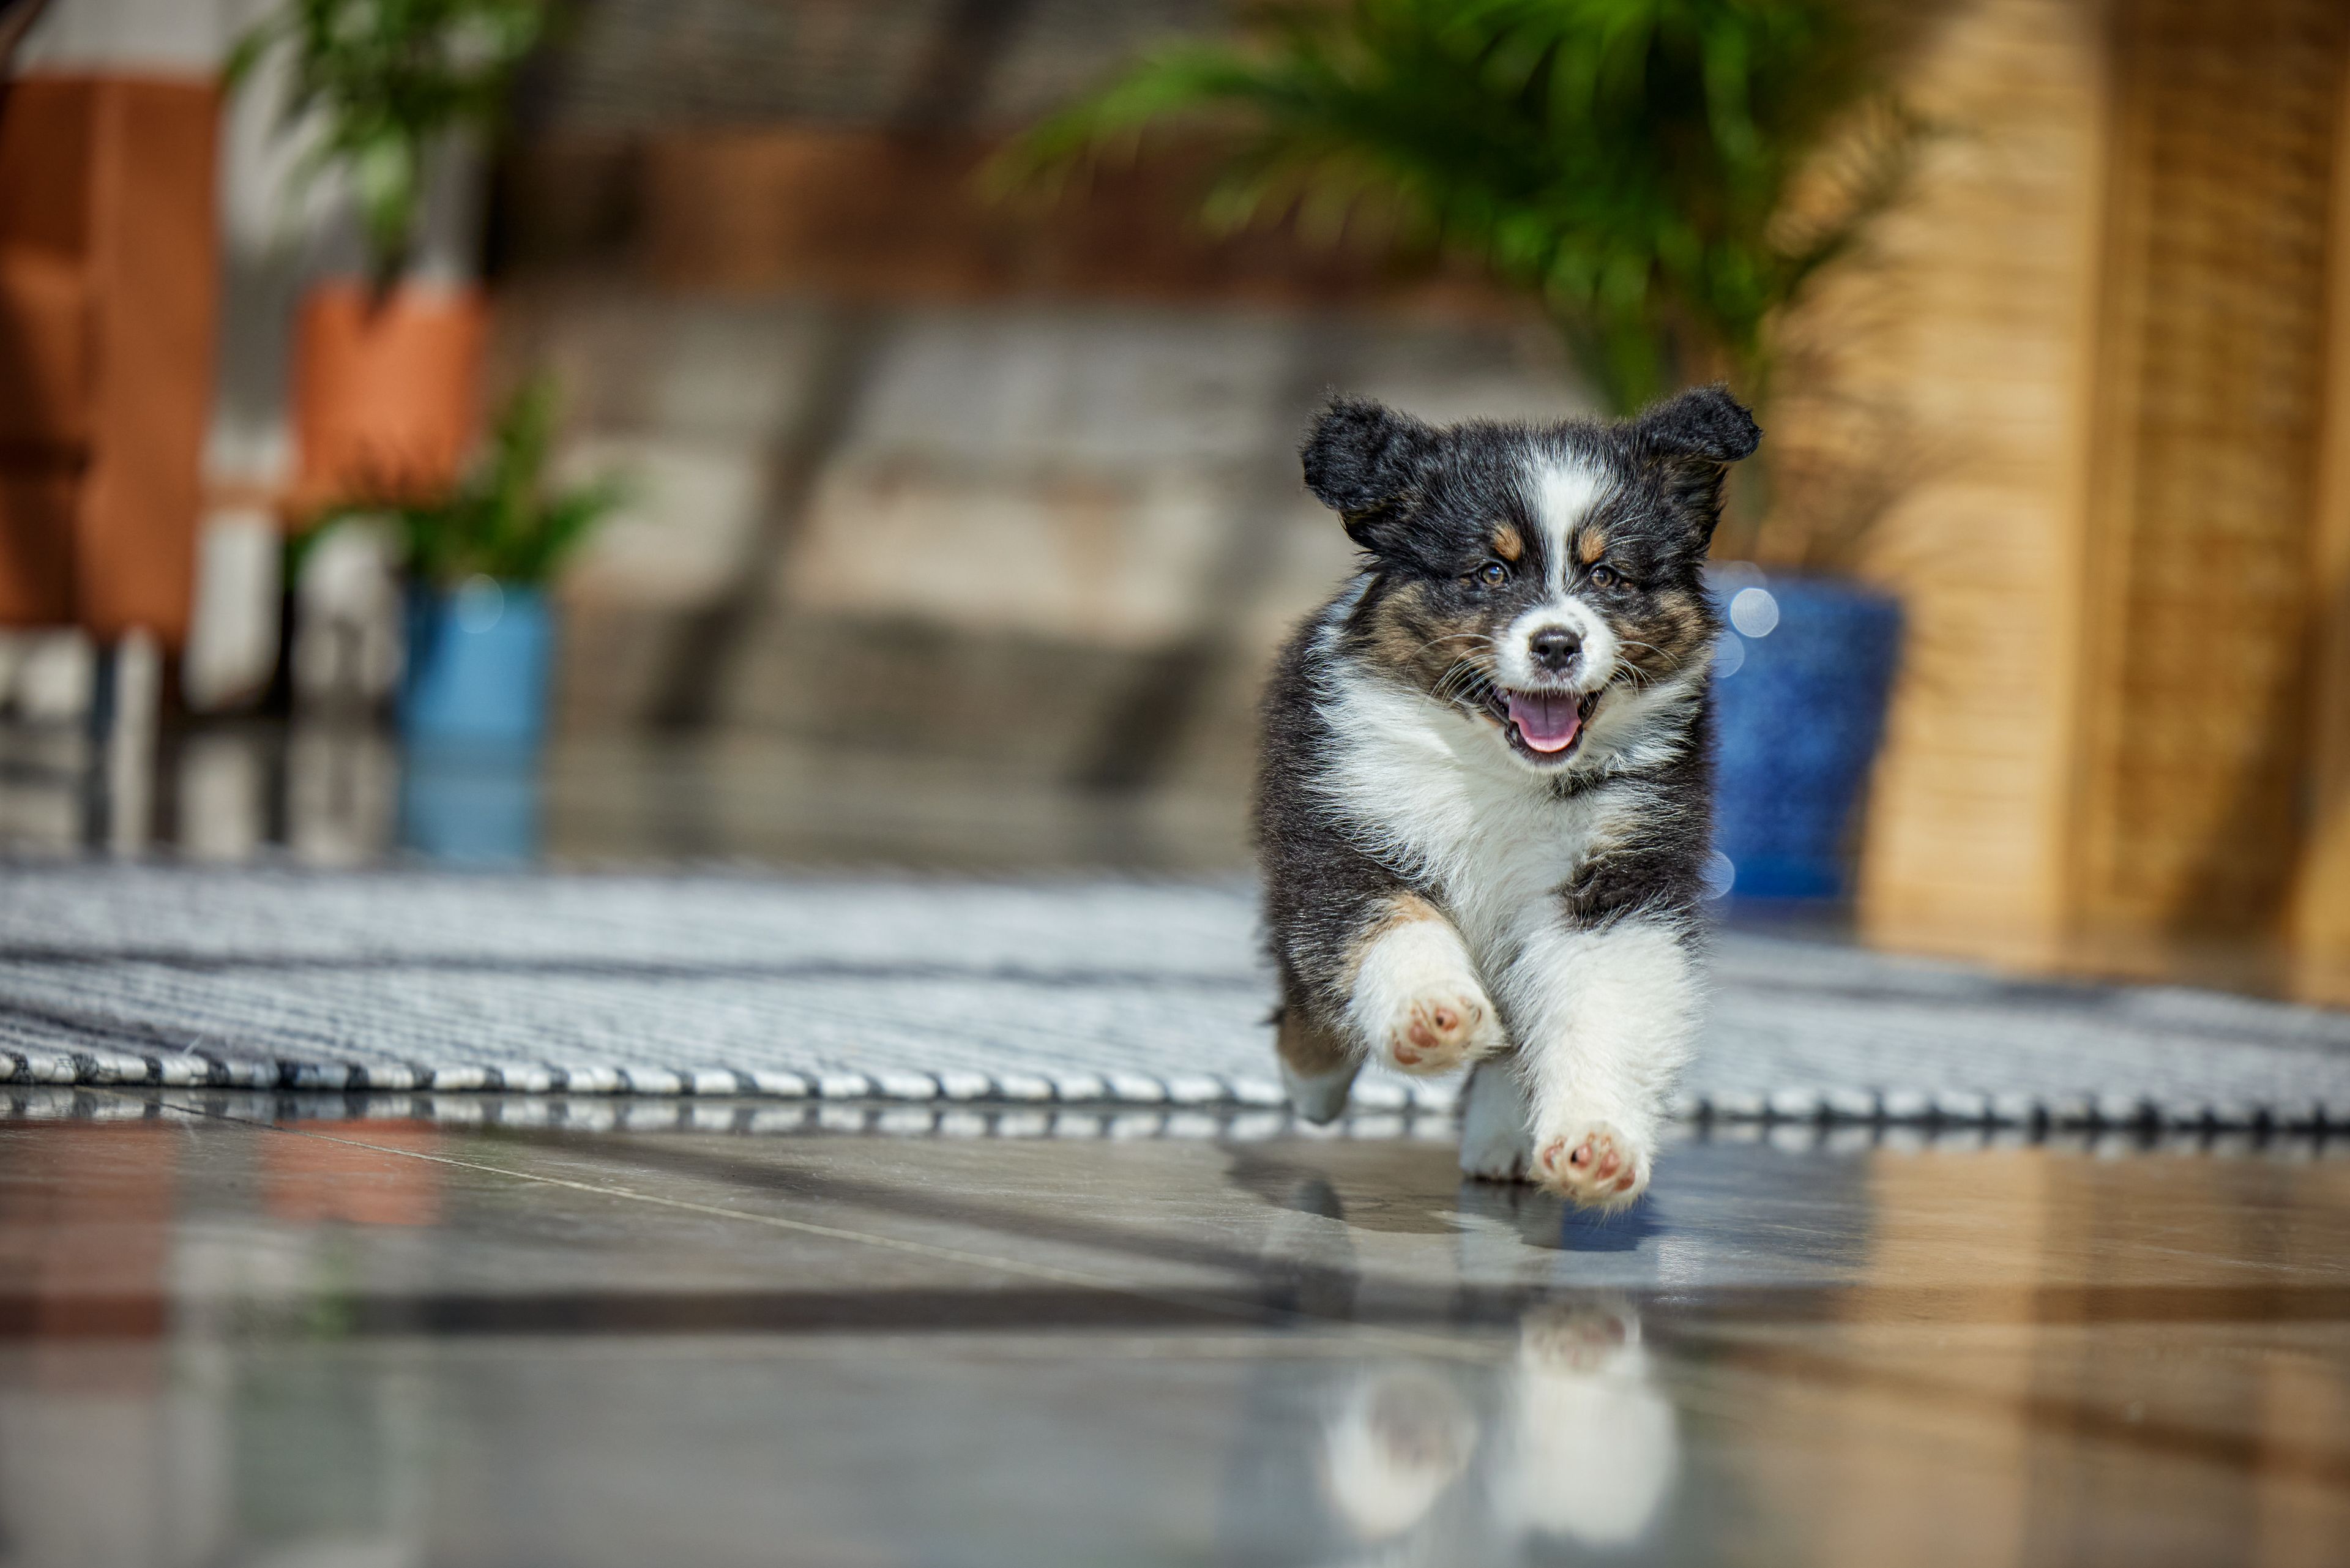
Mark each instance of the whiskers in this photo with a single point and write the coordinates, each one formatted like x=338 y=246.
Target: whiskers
x=1466 y=683
x=1465 y=680
x=1470 y=637
x=1641 y=678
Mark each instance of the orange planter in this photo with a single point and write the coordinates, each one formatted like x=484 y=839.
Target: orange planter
x=386 y=395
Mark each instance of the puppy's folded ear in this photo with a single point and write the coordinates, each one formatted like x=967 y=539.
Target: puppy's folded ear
x=1693 y=438
x=1704 y=424
x=1362 y=461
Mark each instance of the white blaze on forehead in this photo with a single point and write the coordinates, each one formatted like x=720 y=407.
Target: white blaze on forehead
x=1565 y=491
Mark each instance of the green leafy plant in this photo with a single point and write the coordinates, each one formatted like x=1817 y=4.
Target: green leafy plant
x=505 y=519
x=386 y=80
x=1665 y=175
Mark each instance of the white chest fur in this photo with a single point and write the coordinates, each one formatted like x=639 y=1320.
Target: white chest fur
x=1431 y=792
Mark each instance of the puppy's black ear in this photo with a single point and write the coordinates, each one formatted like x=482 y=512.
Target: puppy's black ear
x=1693 y=439
x=1705 y=423
x=1362 y=458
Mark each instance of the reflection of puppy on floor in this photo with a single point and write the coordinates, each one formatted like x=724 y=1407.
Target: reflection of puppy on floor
x=1484 y=807
x=1575 y=1443
x=1593 y=1444
x=1397 y=1442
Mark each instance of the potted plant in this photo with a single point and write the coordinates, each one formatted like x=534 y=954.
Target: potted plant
x=1665 y=177
x=480 y=632
x=386 y=368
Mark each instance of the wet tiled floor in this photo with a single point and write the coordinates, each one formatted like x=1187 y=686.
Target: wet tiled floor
x=233 y=1336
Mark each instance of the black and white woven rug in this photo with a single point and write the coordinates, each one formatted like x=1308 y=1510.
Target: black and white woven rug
x=1073 y=992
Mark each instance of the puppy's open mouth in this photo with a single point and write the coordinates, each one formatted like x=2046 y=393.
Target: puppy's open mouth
x=1544 y=726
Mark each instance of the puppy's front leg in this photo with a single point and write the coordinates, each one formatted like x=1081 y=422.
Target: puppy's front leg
x=1385 y=977
x=1416 y=1002
x=1604 y=1020
x=1390 y=981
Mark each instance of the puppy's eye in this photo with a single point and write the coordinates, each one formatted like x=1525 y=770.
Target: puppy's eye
x=1492 y=573
x=1606 y=578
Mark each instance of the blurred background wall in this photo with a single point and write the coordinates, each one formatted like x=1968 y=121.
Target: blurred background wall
x=961 y=530
x=926 y=476
x=2107 y=328
x=2091 y=345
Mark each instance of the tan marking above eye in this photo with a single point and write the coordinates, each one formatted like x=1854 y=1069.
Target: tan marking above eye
x=1508 y=543
x=1589 y=546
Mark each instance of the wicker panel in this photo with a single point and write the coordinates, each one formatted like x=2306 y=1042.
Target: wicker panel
x=1964 y=330
x=2210 y=377
x=2323 y=916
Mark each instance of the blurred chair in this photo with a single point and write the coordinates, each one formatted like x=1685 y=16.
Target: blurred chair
x=108 y=293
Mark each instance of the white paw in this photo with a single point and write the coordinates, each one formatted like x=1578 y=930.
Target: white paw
x=1320 y=1098
x=1417 y=1003
x=1438 y=1032
x=1495 y=1143
x=1594 y=1164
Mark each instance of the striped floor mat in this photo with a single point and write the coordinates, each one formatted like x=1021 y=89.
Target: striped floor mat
x=990 y=994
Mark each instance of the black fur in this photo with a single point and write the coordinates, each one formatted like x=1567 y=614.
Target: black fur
x=1689 y=440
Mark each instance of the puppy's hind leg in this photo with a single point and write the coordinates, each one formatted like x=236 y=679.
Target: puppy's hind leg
x=1316 y=1066
x=1496 y=1132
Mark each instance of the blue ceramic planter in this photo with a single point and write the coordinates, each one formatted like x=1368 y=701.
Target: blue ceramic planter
x=477 y=666
x=1800 y=686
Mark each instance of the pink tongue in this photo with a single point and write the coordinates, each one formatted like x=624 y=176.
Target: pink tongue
x=1546 y=723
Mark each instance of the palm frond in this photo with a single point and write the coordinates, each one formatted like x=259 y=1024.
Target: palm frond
x=1627 y=162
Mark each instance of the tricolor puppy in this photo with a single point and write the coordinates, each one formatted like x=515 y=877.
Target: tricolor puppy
x=1484 y=809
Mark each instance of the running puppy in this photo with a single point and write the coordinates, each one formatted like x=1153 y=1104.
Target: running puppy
x=1485 y=800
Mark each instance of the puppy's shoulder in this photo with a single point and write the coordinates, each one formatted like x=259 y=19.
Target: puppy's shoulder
x=1291 y=714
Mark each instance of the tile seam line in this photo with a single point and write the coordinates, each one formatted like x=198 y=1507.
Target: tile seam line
x=1419 y=1344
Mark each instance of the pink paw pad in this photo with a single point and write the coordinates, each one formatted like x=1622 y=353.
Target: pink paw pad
x=1595 y=1168
x=1435 y=1030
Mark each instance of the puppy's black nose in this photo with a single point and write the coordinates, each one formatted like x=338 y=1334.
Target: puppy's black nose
x=1554 y=648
